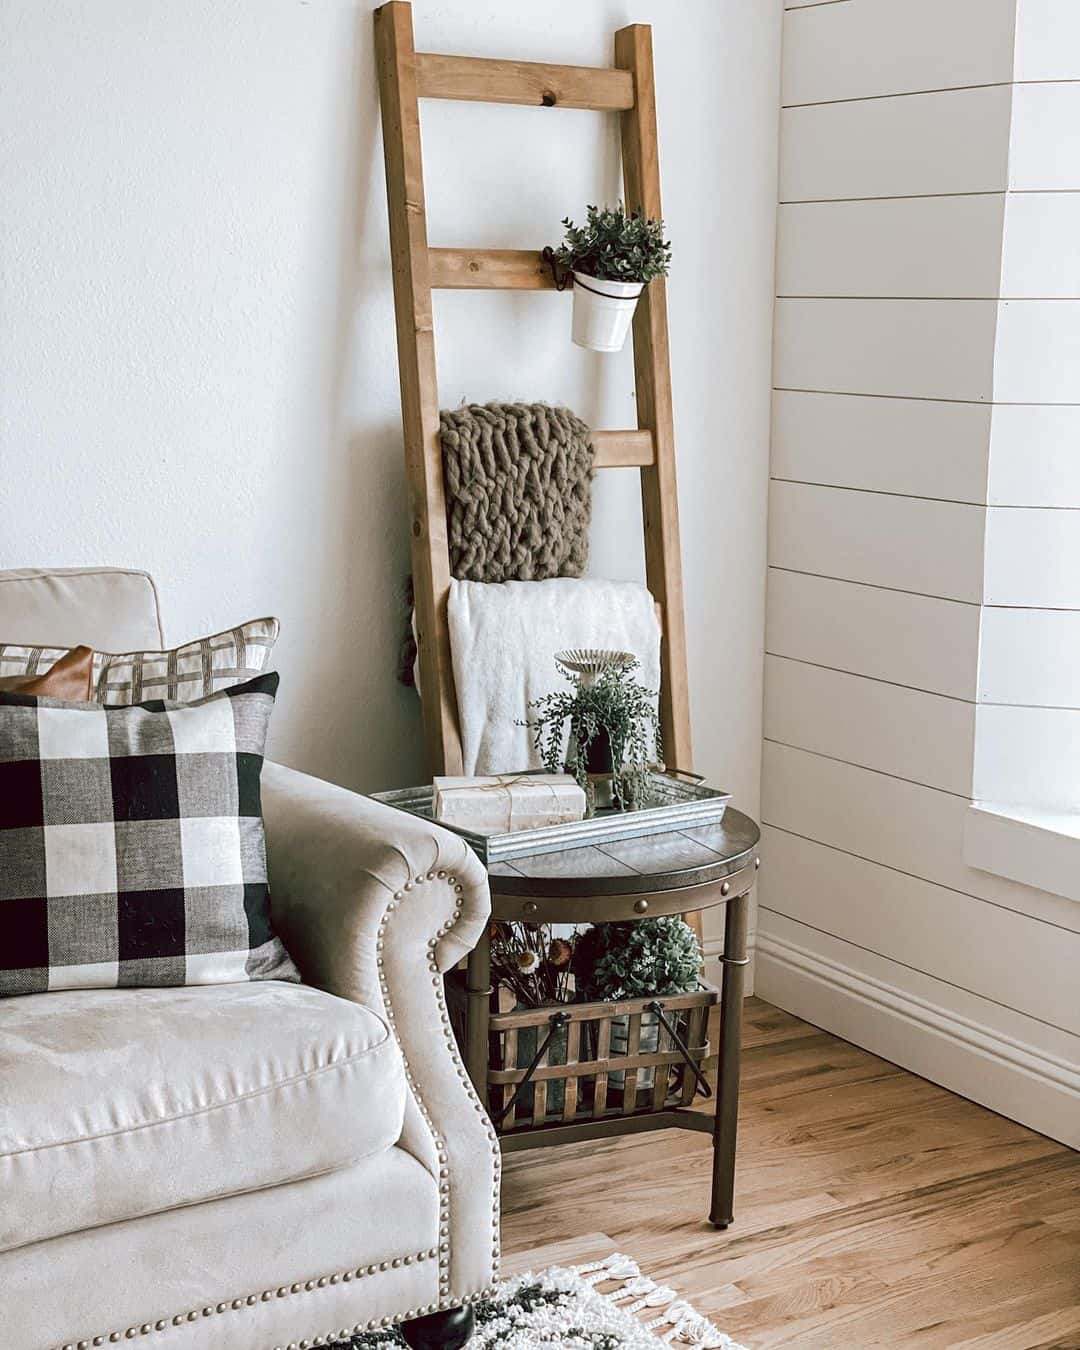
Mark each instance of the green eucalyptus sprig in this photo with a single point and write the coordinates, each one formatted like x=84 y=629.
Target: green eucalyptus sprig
x=615 y=704
x=615 y=246
x=634 y=960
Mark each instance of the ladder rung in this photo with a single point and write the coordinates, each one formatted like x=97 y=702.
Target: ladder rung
x=623 y=449
x=488 y=269
x=477 y=80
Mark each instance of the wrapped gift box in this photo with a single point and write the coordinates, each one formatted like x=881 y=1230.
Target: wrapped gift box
x=505 y=802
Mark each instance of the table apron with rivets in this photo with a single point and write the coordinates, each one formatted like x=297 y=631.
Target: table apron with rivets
x=678 y=872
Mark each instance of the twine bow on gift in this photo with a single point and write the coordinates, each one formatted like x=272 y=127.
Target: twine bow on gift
x=502 y=781
x=508 y=784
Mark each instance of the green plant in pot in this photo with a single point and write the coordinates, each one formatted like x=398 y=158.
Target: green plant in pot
x=614 y=961
x=608 y=722
x=613 y=257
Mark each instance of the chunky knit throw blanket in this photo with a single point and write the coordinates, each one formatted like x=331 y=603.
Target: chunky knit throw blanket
x=518 y=482
x=518 y=491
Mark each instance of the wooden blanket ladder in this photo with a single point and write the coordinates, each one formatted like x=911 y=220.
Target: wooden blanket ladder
x=405 y=77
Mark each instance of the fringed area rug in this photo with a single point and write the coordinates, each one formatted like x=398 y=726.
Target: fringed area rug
x=564 y=1309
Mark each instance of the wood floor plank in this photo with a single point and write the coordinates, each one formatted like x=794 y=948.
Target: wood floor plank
x=940 y=1316
x=572 y=1252
x=764 y=1021
x=872 y=1208
x=1056 y=1330
x=932 y=1307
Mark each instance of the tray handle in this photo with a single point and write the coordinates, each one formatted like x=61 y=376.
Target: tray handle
x=684 y=773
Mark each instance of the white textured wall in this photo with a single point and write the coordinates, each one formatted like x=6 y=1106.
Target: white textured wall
x=917 y=246
x=197 y=364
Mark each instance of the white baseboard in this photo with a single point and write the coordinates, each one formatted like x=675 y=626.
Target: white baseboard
x=1017 y=1080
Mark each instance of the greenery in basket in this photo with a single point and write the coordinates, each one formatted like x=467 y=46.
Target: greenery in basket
x=614 y=711
x=634 y=960
x=615 y=246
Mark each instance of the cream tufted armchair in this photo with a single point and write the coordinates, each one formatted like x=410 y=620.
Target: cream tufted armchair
x=243 y=1167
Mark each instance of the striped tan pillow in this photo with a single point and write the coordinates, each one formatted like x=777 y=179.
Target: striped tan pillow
x=181 y=674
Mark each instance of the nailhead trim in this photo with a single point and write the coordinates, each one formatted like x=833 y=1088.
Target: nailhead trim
x=382 y=1323
x=442 y=1251
x=249 y=1301
x=445 y=1301
x=384 y=989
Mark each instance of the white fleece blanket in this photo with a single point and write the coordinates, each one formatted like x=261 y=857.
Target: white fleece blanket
x=503 y=640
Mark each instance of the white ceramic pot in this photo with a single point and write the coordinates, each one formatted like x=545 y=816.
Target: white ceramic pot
x=602 y=312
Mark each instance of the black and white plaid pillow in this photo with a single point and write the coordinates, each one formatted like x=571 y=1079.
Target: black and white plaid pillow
x=131 y=843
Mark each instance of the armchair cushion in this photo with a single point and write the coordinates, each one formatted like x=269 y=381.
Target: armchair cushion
x=108 y=608
x=120 y=1103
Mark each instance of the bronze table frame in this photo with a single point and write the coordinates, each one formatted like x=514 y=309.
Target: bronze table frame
x=604 y=899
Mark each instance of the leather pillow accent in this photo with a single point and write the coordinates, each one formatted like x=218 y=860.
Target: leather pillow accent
x=71 y=678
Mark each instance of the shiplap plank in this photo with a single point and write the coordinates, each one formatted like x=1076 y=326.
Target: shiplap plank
x=923 y=737
x=989 y=951
x=1033 y=455
x=904 y=247
x=927 y=644
x=1030 y=756
x=921 y=447
x=1040 y=256
x=941 y=349
x=1047 y=40
x=906 y=543
x=973 y=1046
x=910 y=146
x=902 y=825
x=1044 y=154
x=1037 y=357
x=1032 y=558
x=880 y=47
x=1030 y=656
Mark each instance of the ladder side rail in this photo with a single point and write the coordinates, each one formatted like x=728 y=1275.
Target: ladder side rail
x=652 y=380
x=396 y=60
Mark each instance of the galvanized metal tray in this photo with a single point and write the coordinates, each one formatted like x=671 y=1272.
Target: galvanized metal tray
x=674 y=804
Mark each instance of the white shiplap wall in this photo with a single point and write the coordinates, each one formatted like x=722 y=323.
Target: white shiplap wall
x=927 y=350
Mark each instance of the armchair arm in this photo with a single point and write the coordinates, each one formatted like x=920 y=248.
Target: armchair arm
x=374 y=906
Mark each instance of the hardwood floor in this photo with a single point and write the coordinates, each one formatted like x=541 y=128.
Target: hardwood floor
x=873 y=1208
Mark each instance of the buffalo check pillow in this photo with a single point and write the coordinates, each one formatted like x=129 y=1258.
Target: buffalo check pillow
x=131 y=843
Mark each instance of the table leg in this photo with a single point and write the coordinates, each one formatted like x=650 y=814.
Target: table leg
x=478 y=989
x=727 y=1074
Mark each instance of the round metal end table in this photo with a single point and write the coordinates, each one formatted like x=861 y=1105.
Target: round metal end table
x=679 y=872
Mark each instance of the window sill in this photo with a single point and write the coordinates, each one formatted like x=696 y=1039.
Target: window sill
x=1037 y=847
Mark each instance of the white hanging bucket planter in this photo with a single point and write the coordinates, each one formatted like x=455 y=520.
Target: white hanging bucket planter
x=602 y=312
